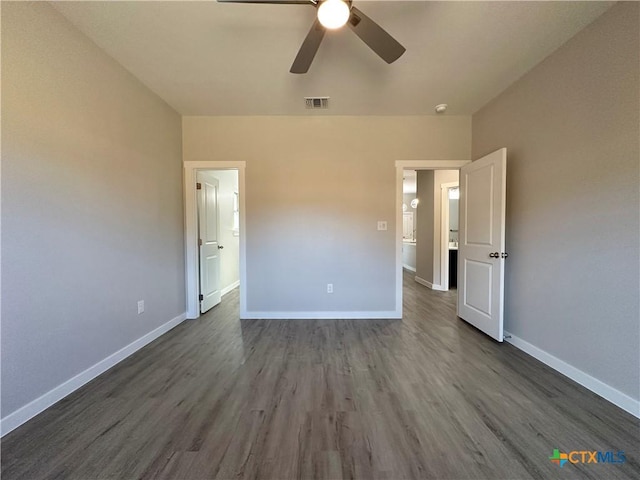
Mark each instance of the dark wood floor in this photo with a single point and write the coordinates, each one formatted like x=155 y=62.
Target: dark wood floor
x=425 y=397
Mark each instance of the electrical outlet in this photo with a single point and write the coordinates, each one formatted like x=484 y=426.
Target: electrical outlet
x=382 y=225
x=329 y=287
x=140 y=307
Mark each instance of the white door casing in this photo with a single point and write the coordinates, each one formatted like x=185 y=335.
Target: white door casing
x=481 y=250
x=208 y=233
x=192 y=250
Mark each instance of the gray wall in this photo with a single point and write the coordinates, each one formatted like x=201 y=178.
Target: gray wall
x=315 y=189
x=571 y=127
x=91 y=205
x=424 y=245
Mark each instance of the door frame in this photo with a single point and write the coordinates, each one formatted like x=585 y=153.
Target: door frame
x=192 y=285
x=402 y=165
x=444 y=237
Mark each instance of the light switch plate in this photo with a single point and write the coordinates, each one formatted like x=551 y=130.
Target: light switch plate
x=382 y=225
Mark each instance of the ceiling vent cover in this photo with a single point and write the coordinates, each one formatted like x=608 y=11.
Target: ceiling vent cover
x=316 y=102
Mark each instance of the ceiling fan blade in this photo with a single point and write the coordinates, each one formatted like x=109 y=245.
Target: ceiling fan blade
x=275 y=2
x=308 y=49
x=375 y=36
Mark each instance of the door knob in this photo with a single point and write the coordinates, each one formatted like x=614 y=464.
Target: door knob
x=494 y=255
x=220 y=247
x=505 y=255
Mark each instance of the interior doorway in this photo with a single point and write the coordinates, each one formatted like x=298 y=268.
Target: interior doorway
x=428 y=248
x=227 y=240
x=482 y=221
x=438 y=248
x=218 y=235
x=449 y=214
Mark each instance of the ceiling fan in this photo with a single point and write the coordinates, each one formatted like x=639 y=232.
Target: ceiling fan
x=333 y=14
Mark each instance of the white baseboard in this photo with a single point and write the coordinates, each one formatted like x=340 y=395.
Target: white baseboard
x=598 y=387
x=227 y=289
x=322 y=315
x=407 y=267
x=33 y=408
x=432 y=286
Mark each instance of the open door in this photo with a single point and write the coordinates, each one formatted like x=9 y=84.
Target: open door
x=208 y=231
x=481 y=250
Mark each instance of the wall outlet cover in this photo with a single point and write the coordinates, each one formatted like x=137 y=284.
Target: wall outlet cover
x=140 y=307
x=382 y=225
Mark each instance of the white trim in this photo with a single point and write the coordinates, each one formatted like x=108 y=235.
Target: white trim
x=407 y=267
x=191 y=228
x=598 y=387
x=399 y=216
x=376 y=315
x=214 y=165
x=426 y=283
x=431 y=164
x=228 y=288
x=33 y=408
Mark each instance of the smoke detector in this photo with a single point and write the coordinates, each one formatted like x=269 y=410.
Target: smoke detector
x=314 y=103
x=441 y=108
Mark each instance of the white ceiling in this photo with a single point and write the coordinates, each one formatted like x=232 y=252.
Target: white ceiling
x=208 y=58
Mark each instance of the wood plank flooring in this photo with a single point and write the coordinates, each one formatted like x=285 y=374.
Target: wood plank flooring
x=425 y=397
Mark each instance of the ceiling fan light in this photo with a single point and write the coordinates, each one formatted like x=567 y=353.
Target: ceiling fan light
x=333 y=13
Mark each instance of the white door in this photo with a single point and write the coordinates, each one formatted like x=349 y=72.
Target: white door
x=481 y=247
x=208 y=230
x=407 y=225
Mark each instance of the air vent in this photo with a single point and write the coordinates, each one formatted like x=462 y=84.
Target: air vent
x=316 y=102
